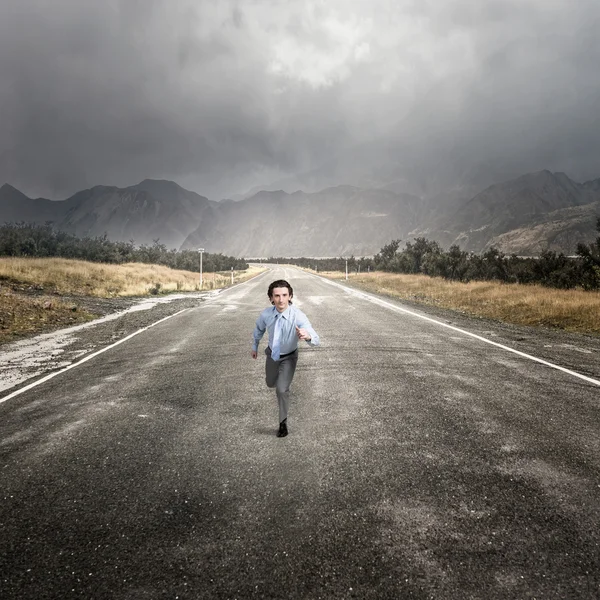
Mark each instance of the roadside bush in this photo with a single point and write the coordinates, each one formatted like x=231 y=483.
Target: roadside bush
x=422 y=256
x=26 y=239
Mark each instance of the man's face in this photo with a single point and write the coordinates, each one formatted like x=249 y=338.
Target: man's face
x=281 y=298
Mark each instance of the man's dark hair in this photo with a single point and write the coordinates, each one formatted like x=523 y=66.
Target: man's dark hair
x=280 y=283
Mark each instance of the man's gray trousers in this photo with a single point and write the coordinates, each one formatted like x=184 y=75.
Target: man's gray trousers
x=279 y=375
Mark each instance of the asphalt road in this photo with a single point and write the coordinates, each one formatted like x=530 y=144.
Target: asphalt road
x=421 y=463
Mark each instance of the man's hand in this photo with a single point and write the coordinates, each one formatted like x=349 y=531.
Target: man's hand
x=302 y=334
x=254 y=353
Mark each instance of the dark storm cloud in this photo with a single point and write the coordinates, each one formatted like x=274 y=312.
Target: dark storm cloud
x=223 y=95
x=117 y=92
x=533 y=95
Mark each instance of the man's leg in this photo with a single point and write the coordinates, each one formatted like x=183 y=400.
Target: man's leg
x=271 y=369
x=287 y=368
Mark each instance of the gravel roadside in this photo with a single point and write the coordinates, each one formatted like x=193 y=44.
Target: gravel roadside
x=23 y=361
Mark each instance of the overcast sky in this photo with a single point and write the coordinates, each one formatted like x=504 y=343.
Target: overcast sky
x=223 y=95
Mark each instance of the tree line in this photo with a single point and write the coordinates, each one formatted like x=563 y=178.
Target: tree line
x=423 y=256
x=31 y=240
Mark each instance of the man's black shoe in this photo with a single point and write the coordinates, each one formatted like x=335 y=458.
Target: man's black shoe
x=282 y=429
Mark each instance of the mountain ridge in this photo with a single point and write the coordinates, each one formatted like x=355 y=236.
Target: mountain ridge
x=528 y=214
x=516 y=204
x=150 y=210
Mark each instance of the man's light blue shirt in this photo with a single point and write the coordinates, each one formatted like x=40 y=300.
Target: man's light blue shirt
x=292 y=317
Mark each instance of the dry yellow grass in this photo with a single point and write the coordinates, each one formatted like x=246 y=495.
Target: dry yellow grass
x=31 y=289
x=22 y=315
x=571 y=310
x=105 y=280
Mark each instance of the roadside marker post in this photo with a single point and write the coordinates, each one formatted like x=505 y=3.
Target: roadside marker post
x=201 y=250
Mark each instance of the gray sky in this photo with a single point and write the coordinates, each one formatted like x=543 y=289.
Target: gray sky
x=223 y=95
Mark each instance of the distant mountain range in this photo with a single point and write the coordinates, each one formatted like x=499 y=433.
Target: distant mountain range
x=144 y=212
x=526 y=216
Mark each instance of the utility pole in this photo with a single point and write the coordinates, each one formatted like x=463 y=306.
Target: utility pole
x=201 y=250
x=231 y=275
x=346 y=269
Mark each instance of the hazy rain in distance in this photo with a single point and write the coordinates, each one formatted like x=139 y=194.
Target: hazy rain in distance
x=223 y=96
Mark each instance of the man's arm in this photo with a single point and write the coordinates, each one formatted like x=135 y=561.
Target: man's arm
x=259 y=331
x=305 y=331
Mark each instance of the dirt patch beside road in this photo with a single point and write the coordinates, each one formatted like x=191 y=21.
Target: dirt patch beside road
x=26 y=311
x=58 y=344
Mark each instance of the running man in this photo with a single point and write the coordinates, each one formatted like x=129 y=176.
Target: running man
x=286 y=325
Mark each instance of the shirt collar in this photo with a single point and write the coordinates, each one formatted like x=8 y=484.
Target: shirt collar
x=285 y=314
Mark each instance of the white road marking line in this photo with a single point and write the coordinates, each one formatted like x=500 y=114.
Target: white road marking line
x=385 y=304
x=89 y=357
x=212 y=295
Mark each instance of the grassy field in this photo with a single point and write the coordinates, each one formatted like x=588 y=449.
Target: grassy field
x=32 y=290
x=105 y=280
x=571 y=310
